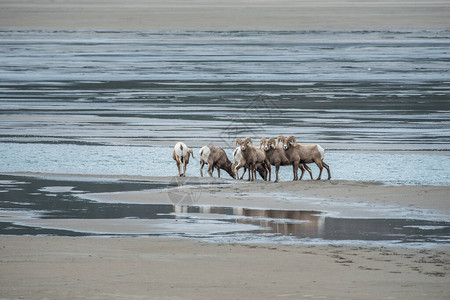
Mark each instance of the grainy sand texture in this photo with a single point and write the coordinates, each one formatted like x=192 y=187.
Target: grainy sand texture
x=146 y=268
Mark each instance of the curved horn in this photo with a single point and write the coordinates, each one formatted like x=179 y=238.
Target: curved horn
x=280 y=138
x=249 y=140
x=237 y=141
x=292 y=138
x=262 y=142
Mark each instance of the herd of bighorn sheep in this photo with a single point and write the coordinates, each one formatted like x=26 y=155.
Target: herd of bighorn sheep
x=254 y=159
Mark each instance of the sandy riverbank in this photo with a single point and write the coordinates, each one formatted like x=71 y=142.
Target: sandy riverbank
x=224 y=15
x=150 y=268
x=341 y=197
x=162 y=268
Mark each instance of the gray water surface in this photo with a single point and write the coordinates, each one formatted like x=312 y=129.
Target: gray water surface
x=347 y=90
x=390 y=168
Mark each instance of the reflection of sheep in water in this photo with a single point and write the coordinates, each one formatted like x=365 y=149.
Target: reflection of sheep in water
x=306 y=154
x=181 y=156
x=215 y=157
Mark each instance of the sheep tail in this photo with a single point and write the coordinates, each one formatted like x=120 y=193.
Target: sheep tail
x=321 y=151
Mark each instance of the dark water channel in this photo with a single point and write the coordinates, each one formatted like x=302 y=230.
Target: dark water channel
x=26 y=198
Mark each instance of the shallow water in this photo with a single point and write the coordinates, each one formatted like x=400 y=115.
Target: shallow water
x=36 y=206
x=114 y=102
x=389 y=168
x=346 y=90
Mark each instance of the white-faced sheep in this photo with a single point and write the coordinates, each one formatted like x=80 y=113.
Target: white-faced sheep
x=253 y=157
x=308 y=154
x=215 y=157
x=180 y=155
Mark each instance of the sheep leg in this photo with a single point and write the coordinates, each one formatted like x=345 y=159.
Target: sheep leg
x=319 y=164
x=201 y=168
x=302 y=168
x=277 y=168
x=269 y=170
x=184 y=169
x=328 y=169
x=309 y=170
x=250 y=172
x=236 y=169
x=179 y=168
x=295 y=170
x=245 y=170
x=210 y=170
x=218 y=172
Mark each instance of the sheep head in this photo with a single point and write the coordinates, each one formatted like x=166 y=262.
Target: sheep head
x=270 y=143
x=238 y=141
x=281 y=139
x=288 y=142
x=190 y=152
x=262 y=142
x=246 y=143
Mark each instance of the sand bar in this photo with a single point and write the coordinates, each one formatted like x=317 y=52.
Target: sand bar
x=150 y=268
x=225 y=15
x=163 y=268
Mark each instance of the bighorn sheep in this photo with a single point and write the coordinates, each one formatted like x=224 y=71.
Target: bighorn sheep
x=253 y=157
x=276 y=156
x=181 y=156
x=294 y=157
x=239 y=162
x=262 y=142
x=308 y=154
x=203 y=155
x=215 y=157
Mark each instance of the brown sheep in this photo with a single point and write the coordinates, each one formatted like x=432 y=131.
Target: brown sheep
x=216 y=158
x=239 y=162
x=294 y=157
x=308 y=154
x=253 y=157
x=275 y=155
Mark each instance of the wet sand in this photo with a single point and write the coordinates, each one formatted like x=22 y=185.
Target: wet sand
x=346 y=198
x=143 y=268
x=224 y=15
x=163 y=268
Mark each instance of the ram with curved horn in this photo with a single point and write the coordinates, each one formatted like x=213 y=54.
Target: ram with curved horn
x=313 y=153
